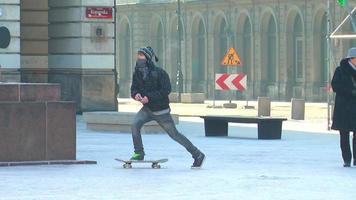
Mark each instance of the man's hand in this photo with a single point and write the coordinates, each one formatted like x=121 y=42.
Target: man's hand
x=138 y=97
x=144 y=100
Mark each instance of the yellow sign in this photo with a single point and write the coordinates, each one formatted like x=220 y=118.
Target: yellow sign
x=231 y=59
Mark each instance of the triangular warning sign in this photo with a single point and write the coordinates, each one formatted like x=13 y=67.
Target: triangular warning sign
x=231 y=59
x=346 y=29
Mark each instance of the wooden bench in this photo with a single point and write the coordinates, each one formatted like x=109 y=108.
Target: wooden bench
x=268 y=128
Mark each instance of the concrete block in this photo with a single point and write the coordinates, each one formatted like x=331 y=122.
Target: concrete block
x=22 y=131
x=61 y=131
x=264 y=106
x=34 y=47
x=98 y=92
x=34 y=32
x=34 y=17
x=10 y=61
x=71 y=83
x=66 y=14
x=173 y=97
x=104 y=62
x=105 y=46
x=98 y=62
x=34 y=4
x=10 y=75
x=65 y=30
x=32 y=131
x=85 y=30
x=40 y=92
x=298 y=109
x=34 y=62
x=26 y=92
x=9 y=92
x=81 y=45
x=34 y=75
x=193 y=97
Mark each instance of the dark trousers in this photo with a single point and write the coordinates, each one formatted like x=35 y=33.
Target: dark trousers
x=167 y=123
x=345 y=146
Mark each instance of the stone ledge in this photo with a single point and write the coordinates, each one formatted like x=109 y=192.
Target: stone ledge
x=52 y=162
x=29 y=92
x=119 y=121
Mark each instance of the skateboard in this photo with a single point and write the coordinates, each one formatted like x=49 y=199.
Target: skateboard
x=155 y=163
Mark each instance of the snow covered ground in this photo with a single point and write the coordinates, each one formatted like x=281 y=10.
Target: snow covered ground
x=300 y=166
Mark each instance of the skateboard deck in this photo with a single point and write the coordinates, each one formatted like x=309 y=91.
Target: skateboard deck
x=155 y=163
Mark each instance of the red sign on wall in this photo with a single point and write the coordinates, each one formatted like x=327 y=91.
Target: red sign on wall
x=99 y=13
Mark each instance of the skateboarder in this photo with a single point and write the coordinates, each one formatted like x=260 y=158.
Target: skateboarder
x=151 y=86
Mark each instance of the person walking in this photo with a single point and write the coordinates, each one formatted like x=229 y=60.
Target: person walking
x=344 y=118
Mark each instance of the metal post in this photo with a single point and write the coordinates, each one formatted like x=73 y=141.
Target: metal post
x=115 y=59
x=179 y=62
x=328 y=62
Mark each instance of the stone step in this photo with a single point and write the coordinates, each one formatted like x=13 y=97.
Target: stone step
x=119 y=121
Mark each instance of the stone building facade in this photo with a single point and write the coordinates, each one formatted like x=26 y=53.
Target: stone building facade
x=54 y=41
x=282 y=44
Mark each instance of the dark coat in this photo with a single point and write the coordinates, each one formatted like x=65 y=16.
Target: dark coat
x=156 y=87
x=344 y=118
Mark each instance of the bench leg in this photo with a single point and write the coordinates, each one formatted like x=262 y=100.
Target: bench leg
x=269 y=130
x=215 y=128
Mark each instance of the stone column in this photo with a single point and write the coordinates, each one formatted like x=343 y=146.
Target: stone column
x=34 y=41
x=283 y=51
x=257 y=53
x=82 y=54
x=309 y=53
x=10 y=56
x=210 y=57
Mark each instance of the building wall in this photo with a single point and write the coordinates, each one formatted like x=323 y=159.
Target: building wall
x=53 y=41
x=80 y=60
x=34 y=41
x=282 y=44
x=10 y=57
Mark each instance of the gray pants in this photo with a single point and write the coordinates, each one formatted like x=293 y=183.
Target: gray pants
x=167 y=123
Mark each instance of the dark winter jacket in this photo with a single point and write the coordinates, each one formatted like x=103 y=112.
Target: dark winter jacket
x=156 y=87
x=344 y=85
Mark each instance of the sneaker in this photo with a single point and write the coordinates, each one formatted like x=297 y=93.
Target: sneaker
x=198 y=161
x=138 y=156
x=347 y=164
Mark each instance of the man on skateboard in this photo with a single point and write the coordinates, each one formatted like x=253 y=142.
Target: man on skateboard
x=151 y=86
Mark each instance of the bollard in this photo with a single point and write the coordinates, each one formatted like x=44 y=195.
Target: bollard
x=193 y=97
x=298 y=109
x=173 y=97
x=264 y=106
